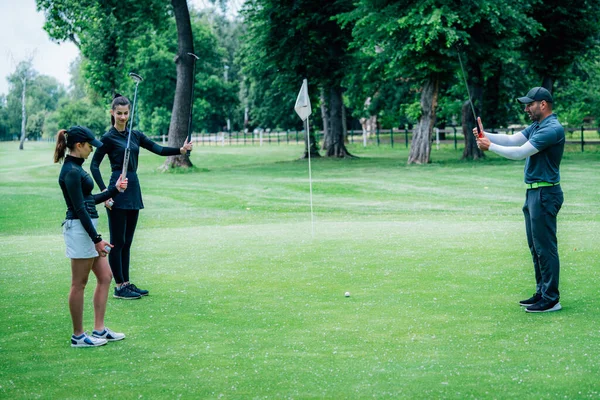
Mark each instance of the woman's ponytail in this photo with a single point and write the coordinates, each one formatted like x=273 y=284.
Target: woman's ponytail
x=61 y=146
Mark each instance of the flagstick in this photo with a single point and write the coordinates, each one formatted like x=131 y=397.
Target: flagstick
x=312 y=219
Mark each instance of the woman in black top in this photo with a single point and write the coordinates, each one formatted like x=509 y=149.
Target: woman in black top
x=85 y=247
x=124 y=211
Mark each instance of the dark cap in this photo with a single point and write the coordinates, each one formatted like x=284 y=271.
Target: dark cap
x=79 y=134
x=536 y=94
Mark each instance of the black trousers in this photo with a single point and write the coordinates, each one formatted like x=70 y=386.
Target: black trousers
x=121 y=224
x=540 y=209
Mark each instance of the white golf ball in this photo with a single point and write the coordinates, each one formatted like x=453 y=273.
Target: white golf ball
x=347 y=294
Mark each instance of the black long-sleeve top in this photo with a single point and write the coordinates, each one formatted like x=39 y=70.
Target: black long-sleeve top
x=77 y=186
x=114 y=144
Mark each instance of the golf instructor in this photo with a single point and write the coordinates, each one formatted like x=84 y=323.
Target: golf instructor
x=123 y=212
x=541 y=144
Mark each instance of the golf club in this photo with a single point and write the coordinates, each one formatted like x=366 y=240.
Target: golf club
x=137 y=79
x=195 y=57
x=479 y=133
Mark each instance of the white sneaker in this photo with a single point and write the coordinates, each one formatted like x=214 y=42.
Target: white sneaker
x=108 y=335
x=84 y=340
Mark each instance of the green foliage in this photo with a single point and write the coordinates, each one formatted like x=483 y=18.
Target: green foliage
x=567 y=31
x=42 y=96
x=576 y=97
x=78 y=112
x=103 y=31
x=160 y=120
x=35 y=125
x=378 y=50
x=285 y=42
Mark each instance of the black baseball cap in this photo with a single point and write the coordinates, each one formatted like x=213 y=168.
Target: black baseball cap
x=536 y=94
x=79 y=134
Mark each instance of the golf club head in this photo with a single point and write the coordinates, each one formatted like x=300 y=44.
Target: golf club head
x=136 y=78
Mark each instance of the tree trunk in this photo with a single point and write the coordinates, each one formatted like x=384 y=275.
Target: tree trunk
x=344 y=124
x=314 y=148
x=182 y=104
x=324 y=117
x=547 y=83
x=23 y=114
x=335 y=146
x=471 y=151
x=420 y=148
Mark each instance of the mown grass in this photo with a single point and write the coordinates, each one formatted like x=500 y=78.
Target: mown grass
x=245 y=303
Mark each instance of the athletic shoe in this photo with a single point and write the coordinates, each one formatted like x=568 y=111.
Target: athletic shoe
x=108 y=335
x=126 y=294
x=544 y=306
x=136 y=289
x=84 y=340
x=531 y=301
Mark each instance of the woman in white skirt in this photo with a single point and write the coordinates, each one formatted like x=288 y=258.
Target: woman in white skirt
x=85 y=247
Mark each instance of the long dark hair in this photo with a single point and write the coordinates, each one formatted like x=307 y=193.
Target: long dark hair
x=118 y=100
x=61 y=146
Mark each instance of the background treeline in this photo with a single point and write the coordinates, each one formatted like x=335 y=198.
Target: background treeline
x=369 y=63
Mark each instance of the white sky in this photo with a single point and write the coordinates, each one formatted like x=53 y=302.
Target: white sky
x=22 y=35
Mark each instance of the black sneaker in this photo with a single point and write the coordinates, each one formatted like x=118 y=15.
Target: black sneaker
x=531 y=301
x=544 y=306
x=126 y=294
x=136 y=289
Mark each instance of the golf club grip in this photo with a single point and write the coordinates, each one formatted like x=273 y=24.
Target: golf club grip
x=479 y=132
x=125 y=166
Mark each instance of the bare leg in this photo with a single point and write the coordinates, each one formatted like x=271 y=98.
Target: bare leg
x=104 y=278
x=80 y=271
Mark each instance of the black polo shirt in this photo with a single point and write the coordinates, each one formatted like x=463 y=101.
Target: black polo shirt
x=114 y=144
x=77 y=186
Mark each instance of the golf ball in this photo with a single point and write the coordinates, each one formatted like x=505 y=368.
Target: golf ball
x=347 y=294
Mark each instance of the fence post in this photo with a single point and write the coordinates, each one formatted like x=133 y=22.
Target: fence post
x=582 y=138
x=377 y=133
x=352 y=135
x=392 y=136
x=455 y=142
x=437 y=138
x=287 y=136
x=406 y=136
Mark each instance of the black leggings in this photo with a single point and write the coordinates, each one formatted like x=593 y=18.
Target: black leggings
x=121 y=224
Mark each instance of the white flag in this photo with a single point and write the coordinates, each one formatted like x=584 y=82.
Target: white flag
x=302 y=106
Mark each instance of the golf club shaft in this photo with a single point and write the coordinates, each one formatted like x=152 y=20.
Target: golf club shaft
x=480 y=134
x=195 y=57
x=137 y=79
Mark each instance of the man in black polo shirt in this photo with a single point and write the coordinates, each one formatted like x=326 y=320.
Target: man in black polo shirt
x=541 y=144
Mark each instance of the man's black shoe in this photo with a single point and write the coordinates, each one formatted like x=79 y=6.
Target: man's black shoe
x=531 y=301
x=544 y=306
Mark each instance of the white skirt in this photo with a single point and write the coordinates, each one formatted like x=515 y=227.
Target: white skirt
x=79 y=244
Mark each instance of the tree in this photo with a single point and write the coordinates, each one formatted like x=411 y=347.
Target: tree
x=102 y=30
x=567 y=30
x=287 y=41
x=23 y=74
x=414 y=42
x=183 y=91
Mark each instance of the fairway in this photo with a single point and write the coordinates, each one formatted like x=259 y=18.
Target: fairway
x=245 y=303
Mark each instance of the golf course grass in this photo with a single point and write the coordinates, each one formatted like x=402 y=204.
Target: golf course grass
x=245 y=302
